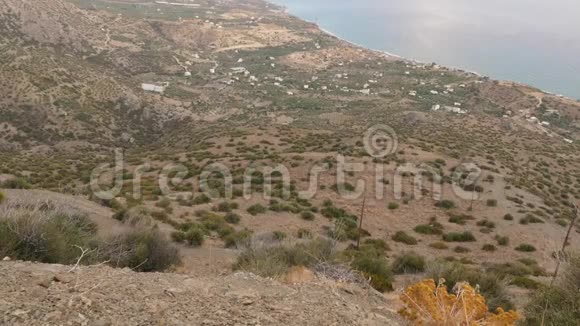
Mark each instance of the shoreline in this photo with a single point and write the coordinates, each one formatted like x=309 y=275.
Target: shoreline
x=286 y=10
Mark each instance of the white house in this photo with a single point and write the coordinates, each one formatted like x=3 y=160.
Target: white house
x=153 y=88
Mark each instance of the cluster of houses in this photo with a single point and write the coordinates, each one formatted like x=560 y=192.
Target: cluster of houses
x=452 y=109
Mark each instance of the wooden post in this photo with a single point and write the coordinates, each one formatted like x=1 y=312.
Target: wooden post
x=558 y=262
x=362 y=215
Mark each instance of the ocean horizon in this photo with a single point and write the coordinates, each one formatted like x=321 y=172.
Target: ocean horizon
x=525 y=41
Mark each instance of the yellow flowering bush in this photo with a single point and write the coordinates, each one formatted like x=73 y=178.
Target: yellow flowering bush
x=430 y=304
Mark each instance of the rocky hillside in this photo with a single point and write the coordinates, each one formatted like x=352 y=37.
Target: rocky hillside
x=38 y=294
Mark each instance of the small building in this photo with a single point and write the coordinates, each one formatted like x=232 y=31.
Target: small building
x=153 y=88
x=187 y=74
x=239 y=70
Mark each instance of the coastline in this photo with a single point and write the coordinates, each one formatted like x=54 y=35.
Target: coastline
x=286 y=10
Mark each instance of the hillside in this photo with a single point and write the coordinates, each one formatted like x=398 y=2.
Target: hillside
x=34 y=294
x=219 y=124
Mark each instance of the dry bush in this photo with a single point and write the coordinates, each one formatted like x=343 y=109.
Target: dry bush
x=429 y=304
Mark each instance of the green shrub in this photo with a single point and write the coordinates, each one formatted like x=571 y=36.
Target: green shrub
x=1 y=197
x=526 y=248
x=402 y=236
x=393 y=205
x=491 y=203
x=195 y=236
x=237 y=238
x=201 y=199
x=279 y=235
x=433 y=228
x=562 y=299
x=376 y=269
x=225 y=207
x=256 y=209
x=459 y=237
x=409 y=263
x=529 y=218
x=45 y=235
x=445 y=204
x=486 y=223
x=15 y=183
x=275 y=260
x=308 y=216
x=461 y=250
x=377 y=244
x=489 y=247
x=502 y=240
x=459 y=219
x=232 y=218
x=526 y=283
x=508 y=217
x=148 y=250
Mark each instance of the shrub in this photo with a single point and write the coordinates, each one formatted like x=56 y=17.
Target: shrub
x=303 y=234
x=459 y=237
x=225 y=207
x=402 y=236
x=491 y=286
x=375 y=268
x=459 y=219
x=1 y=197
x=486 y=223
x=178 y=236
x=526 y=247
x=502 y=240
x=433 y=228
x=15 y=183
x=144 y=250
x=508 y=217
x=439 y=245
x=562 y=299
x=461 y=250
x=236 y=238
x=410 y=263
x=526 y=283
x=275 y=260
x=428 y=303
x=445 y=204
x=529 y=218
x=201 y=199
x=306 y=215
x=279 y=235
x=45 y=234
x=256 y=209
x=393 y=205
x=194 y=237
x=377 y=244
x=488 y=247
x=232 y=218
x=491 y=203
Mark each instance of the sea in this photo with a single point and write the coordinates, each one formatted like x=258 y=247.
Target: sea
x=535 y=42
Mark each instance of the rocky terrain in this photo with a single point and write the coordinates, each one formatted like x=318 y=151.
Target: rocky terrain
x=38 y=294
x=480 y=174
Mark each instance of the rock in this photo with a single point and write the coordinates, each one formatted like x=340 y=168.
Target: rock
x=6 y=259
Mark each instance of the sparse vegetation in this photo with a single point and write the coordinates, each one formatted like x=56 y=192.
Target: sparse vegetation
x=403 y=237
x=409 y=263
x=526 y=247
x=459 y=237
